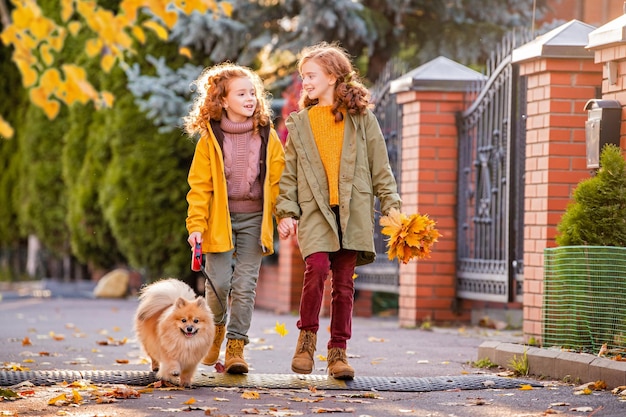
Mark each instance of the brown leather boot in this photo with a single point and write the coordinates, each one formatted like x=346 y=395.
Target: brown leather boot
x=235 y=364
x=302 y=362
x=214 y=351
x=338 y=366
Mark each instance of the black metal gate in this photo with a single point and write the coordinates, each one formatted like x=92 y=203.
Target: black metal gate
x=492 y=141
x=382 y=275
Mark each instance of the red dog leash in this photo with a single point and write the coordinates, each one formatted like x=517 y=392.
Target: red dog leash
x=198 y=262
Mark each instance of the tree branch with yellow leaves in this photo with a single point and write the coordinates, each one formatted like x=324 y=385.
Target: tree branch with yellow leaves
x=36 y=39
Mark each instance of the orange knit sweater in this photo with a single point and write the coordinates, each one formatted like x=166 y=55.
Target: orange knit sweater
x=328 y=136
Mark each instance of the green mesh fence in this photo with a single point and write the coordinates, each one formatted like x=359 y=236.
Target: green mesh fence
x=584 y=302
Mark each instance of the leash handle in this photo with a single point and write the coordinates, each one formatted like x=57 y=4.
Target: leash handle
x=196 y=258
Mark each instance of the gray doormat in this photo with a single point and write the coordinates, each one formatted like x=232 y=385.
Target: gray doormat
x=291 y=381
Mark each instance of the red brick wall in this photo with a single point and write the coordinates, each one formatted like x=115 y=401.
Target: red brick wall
x=555 y=161
x=593 y=12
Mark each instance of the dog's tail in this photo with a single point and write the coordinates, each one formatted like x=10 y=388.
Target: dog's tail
x=160 y=295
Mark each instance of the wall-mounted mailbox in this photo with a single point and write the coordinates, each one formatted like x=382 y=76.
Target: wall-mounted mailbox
x=602 y=127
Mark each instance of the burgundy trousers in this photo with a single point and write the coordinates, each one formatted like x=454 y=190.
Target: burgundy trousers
x=317 y=268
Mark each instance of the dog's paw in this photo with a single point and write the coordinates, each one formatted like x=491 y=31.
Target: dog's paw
x=186 y=384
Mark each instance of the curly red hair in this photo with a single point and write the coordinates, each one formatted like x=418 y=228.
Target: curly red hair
x=212 y=87
x=350 y=93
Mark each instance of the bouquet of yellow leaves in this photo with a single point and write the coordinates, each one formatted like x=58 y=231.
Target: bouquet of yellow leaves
x=409 y=236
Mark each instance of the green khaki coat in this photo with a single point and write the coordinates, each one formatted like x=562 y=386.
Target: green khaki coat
x=364 y=173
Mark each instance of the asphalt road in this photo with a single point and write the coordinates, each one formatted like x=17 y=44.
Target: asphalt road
x=73 y=332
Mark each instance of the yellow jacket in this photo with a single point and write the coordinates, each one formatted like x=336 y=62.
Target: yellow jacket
x=208 y=211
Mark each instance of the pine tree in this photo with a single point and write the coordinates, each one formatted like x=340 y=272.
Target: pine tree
x=144 y=185
x=13 y=100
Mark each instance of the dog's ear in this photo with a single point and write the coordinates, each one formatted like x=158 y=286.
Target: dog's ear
x=181 y=302
x=200 y=301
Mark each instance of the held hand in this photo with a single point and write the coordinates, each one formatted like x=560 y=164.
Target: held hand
x=195 y=237
x=286 y=227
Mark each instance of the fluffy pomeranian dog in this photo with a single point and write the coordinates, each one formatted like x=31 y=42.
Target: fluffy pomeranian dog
x=175 y=329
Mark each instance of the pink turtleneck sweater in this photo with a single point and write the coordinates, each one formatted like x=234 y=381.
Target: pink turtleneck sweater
x=242 y=150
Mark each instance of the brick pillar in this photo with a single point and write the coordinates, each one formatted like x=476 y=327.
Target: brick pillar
x=431 y=96
x=558 y=89
x=429 y=186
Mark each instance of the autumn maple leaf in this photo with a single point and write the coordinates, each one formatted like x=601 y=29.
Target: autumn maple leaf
x=409 y=236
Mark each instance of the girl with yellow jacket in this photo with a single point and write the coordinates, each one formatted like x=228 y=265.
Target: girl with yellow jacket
x=234 y=180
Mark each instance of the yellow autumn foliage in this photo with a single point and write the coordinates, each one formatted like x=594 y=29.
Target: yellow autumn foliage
x=139 y=34
x=74 y=28
x=46 y=55
x=158 y=29
x=67 y=9
x=34 y=37
x=184 y=51
x=6 y=131
x=410 y=236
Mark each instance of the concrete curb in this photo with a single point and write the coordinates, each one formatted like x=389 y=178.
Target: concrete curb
x=557 y=364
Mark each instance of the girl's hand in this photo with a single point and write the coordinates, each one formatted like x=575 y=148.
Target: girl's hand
x=286 y=227
x=195 y=237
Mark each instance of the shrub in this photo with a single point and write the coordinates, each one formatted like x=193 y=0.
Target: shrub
x=597 y=216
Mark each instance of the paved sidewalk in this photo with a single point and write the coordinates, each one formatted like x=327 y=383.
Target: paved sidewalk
x=70 y=331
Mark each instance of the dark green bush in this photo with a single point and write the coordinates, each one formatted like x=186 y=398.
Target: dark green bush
x=597 y=216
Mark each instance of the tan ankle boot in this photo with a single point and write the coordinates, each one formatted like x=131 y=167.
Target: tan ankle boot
x=214 y=351
x=302 y=361
x=235 y=364
x=338 y=366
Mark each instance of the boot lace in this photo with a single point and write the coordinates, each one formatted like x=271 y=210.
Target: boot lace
x=307 y=343
x=235 y=349
x=336 y=355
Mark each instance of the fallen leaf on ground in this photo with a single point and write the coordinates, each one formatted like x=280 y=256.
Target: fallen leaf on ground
x=582 y=409
x=333 y=410
x=306 y=400
x=375 y=339
x=7 y=394
x=281 y=329
x=285 y=413
x=250 y=395
x=57 y=337
x=112 y=342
